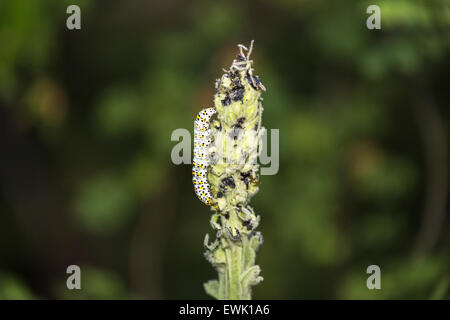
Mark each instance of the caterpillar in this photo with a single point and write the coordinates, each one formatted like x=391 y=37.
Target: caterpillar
x=202 y=140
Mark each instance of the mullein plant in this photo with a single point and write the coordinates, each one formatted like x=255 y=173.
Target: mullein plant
x=227 y=143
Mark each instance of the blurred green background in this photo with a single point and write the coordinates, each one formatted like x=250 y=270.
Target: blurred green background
x=86 y=118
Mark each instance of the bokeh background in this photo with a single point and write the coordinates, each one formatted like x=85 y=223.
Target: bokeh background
x=86 y=118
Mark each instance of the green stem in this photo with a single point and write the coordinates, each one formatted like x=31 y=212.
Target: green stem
x=233 y=255
x=233 y=272
x=233 y=175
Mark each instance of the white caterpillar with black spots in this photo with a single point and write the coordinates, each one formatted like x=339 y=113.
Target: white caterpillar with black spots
x=202 y=140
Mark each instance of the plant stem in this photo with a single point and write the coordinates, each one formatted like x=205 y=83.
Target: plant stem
x=233 y=255
x=234 y=178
